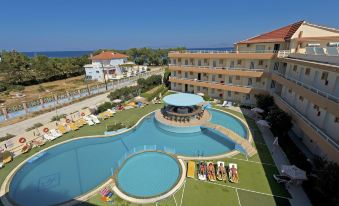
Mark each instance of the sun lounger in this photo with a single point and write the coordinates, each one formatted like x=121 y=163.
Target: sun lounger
x=191 y=169
x=111 y=111
x=6 y=157
x=55 y=133
x=229 y=104
x=224 y=104
x=26 y=148
x=106 y=195
x=38 y=143
x=202 y=170
x=78 y=123
x=221 y=171
x=94 y=119
x=49 y=137
x=233 y=177
x=62 y=129
x=73 y=126
x=211 y=172
x=282 y=179
x=88 y=121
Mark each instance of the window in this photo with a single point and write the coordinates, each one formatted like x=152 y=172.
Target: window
x=174 y=61
x=289 y=90
x=219 y=76
x=249 y=81
x=174 y=84
x=221 y=61
x=252 y=65
x=179 y=72
x=186 y=75
x=258 y=79
x=192 y=61
x=186 y=62
x=261 y=62
x=213 y=91
x=205 y=61
x=307 y=71
x=301 y=98
x=191 y=73
x=230 y=80
x=97 y=72
x=247 y=97
x=229 y=93
x=232 y=64
x=239 y=62
x=213 y=78
x=324 y=76
x=295 y=67
x=276 y=66
x=179 y=60
x=198 y=88
x=316 y=107
x=237 y=77
x=260 y=48
x=236 y=93
x=199 y=62
x=174 y=73
x=214 y=63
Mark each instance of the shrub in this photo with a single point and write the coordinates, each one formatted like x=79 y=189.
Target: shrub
x=114 y=127
x=103 y=107
x=280 y=121
x=264 y=101
x=58 y=117
x=150 y=96
x=206 y=97
x=36 y=125
x=6 y=137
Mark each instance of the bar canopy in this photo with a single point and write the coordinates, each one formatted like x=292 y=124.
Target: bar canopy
x=183 y=99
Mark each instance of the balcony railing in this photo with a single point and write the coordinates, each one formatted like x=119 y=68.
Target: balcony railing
x=311 y=88
x=221 y=51
x=224 y=68
x=213 y=82
x=326 y=137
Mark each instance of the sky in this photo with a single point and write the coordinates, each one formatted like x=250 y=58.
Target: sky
x=71 y=25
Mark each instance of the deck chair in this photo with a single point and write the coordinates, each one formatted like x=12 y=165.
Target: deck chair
x=55 y=133
x=6 y=157
x=224 y=104
x=191 y=169
x=73 y=126
x=62 y=129
x=233 y=178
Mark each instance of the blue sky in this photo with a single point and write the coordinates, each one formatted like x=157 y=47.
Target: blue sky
x=56 y=25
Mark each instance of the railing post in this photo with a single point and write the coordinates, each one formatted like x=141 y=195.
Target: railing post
x=4 y=111
x=24 y=105
x=41 y=102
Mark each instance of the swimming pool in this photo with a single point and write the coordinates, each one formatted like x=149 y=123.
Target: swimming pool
x=148 y=174
x=66 y=171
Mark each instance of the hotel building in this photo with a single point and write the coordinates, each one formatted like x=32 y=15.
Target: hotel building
x=297 y=64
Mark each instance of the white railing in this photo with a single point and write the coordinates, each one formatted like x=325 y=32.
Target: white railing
x=311 y=88
x=311 y=124
x=213 y=82
x=283 y=53
x=221 y=51
x=223 y=68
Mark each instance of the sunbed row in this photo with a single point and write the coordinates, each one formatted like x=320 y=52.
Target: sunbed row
x=212 y=172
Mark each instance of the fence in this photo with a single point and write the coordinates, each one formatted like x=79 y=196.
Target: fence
x=56 y=100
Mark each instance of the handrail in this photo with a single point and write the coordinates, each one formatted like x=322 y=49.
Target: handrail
x=220 y=51
x=309 y=87
x=213 y=82
x=311 y=124
x=211 y=67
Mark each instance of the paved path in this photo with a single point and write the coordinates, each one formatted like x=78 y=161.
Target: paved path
x=19 y=128
x=299 y=197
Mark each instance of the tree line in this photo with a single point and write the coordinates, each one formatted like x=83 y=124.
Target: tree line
x=145 y=56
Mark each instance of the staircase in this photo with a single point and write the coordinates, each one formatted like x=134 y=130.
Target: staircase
x=245 y=144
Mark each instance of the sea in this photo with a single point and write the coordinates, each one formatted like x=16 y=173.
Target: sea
x=66 y=54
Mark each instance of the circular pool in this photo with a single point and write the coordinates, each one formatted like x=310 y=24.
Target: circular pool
x=148 y=174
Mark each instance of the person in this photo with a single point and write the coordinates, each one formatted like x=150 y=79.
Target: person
x=202 y=168
x=234 y=172
x=221 y=169
x=211 y=173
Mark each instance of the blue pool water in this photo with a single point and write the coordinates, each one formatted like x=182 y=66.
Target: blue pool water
x=71 y=169
x=148 y=174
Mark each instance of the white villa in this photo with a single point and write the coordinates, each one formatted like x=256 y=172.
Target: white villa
x=109 y=65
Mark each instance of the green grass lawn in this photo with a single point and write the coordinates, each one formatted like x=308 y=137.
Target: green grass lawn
x=256 y=185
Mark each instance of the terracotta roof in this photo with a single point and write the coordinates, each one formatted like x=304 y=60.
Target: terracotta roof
x=108 y=55
x=279 y=35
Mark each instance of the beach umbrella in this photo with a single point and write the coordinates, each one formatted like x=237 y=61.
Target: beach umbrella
x=257 y=110
x=263 y=123
x=293 y=172
x=117 y=101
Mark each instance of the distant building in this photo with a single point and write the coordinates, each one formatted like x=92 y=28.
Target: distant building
x=109 y=65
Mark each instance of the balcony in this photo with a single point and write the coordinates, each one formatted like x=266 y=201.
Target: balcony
x=250 y=54
x=322 y=134
x=214 y=85
x=311 y=88
x=219 y=70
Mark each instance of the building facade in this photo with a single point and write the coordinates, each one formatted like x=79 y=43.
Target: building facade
x=297 y=64
x=107 y=65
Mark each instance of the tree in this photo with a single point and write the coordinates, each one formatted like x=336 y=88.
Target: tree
x=167 y=74
x=264 y=101
x=280 y=121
